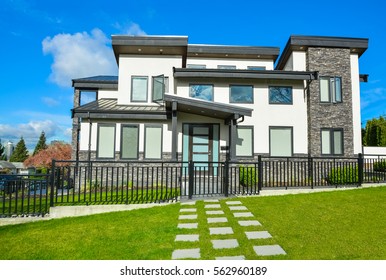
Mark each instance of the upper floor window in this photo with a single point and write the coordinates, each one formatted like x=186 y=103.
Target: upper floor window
x=332 y=141
x=200 y=91
x=139 y=89
x=196 y=66
x=330 y=89
x=240 y=94
x=256 y=67
x=280 y=95
x=226 y=66
x=87 y=97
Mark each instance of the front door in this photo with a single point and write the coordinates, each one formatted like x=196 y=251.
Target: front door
x=201 y=143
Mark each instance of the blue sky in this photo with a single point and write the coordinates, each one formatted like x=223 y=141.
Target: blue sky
x=45 y=43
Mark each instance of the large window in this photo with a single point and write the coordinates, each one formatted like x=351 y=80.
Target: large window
x=280 y=141
x=280 y=95
x=204 y=92
x=87 y=97
x=106 y=141
x=153 y=142
x=240 y=94
x=129 y=141
x=330 y=89
x=244 y=142
x=139 y=89
x=332 y=141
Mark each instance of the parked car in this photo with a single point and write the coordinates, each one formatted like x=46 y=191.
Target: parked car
x=38 y=188
x=10 y=183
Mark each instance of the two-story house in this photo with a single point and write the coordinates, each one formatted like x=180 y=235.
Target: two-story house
x=175 y=101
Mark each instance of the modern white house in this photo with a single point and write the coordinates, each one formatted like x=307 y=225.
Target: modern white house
x=175 y=101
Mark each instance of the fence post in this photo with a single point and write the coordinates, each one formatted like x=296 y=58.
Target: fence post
x=191 y=178
x=310 y=171
x=259 y=173
x=360 y=169
x=52 y=181
x=226 y=177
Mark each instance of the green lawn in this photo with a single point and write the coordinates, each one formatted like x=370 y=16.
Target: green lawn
x=333 y=225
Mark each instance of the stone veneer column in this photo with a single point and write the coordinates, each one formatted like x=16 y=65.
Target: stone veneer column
x=75 y=126
x=329 y=62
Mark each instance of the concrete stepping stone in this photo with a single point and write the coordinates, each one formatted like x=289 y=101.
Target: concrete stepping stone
x=187 y=237
x=238 y=208
x=242 y=214
x=188 y=225
x=249 y=223
x=269 y=250
x=225 y=244
x=212 y=206
x=231 y=258
x=187 y=217
x=258 y=234
x=186 y=254
x=189 y=203
x=233 y=203
x=217 y=220
x=215 y=212
x=211 y=200
x=220 y=230
x=188 y=210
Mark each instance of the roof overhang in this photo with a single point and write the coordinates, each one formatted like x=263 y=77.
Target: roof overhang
x=246 y=52
x=149 y=45
x=244 y=74
x=206 y=108
x=109 y=109
x=97 y=82
x=302 y=43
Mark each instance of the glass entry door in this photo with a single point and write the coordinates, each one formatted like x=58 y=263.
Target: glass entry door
x=201 y=143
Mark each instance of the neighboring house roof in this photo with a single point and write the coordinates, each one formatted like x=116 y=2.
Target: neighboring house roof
x=300 y=43
x=18 y=165
x=96 y=82
x=110 y=109
x=244 y=74
x=6 y=165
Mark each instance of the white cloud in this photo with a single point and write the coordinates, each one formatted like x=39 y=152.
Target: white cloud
x=51 y=102
x=130 y=28
x=29 y=131
x=79 y=55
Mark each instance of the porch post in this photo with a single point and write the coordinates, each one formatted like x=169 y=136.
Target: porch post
x=232 y=137
x=174 y=131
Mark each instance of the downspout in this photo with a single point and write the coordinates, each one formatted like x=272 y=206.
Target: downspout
x=89 y=137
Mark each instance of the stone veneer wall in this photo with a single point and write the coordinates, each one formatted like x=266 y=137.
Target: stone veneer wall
x=329 y=62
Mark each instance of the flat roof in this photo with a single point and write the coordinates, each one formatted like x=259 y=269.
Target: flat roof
x=96 y=82
x=302 y=43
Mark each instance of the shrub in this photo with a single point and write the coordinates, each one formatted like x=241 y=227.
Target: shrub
x=248 y=176
x=343 y=175
x=380 y=166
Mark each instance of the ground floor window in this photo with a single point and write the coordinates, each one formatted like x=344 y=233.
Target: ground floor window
x=129 y=141
x=244 y=141
x=281 y=141
x=332 y=141
x=153 y=142
x=106 y=141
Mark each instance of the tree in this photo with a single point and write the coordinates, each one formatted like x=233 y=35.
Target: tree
x=2 y=155
x=41 y=145
x=57 y=151
x=375 y=132
x=20 y=154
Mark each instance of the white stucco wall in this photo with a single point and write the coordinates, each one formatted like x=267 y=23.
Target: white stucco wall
x=107 y=94
x=213 y=63
x=356 y=103
x=144 y=66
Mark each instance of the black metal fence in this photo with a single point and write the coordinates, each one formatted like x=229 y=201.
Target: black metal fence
x=112 y=182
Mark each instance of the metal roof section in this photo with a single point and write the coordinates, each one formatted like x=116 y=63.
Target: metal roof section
x=302 y=43
x=96 y=82
x=6 y=165
x=149 y=45
x=219 y=51
x=192 y=73
x=110 y=109
x=205 y=108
